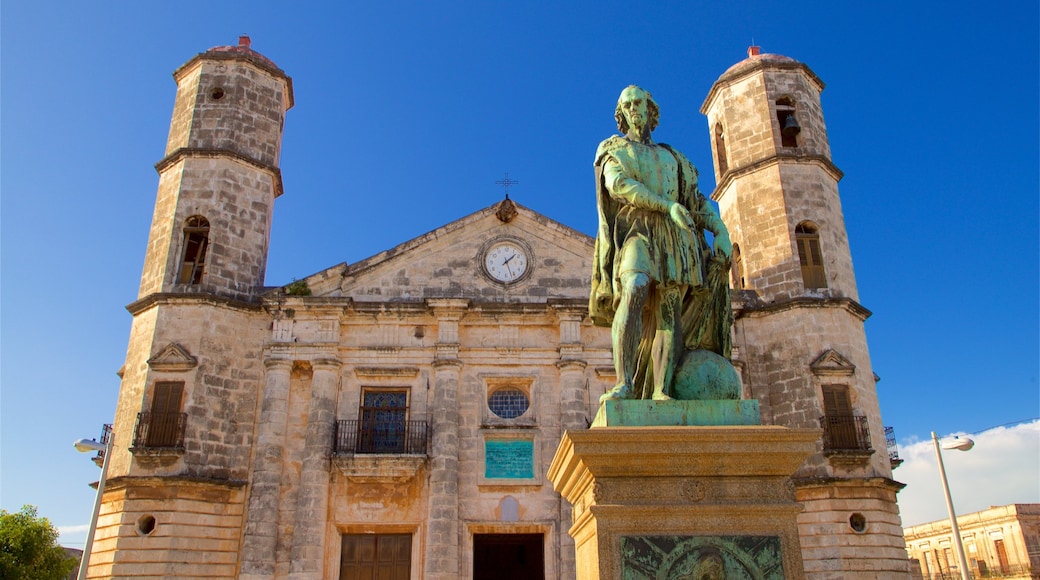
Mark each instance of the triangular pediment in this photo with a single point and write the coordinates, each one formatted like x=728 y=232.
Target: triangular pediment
x=452 y=262
x=173 y=357
x=832 y=363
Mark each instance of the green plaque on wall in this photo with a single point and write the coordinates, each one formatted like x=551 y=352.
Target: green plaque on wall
x=509 y=459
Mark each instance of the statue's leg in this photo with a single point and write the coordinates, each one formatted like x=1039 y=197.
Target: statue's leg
x=626 y=333
x=668 y=342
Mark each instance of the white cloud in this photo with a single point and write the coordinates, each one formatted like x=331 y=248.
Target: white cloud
x=1003 y=468
x=73 y=536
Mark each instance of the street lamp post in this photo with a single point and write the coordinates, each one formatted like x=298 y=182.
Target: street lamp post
x=86 y=446
x=960 y=445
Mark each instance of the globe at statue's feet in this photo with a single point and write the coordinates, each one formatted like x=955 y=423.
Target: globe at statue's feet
x=621 y=391
x=703 y=375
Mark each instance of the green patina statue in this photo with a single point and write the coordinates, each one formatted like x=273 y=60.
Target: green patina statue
x=656 y=281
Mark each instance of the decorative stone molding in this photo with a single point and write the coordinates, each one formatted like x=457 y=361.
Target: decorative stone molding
x=447 y=362
x=572 y=352
x=174 y=358
x=506 y=210
x=571 y=363
x=378 y=468
x=832 y=364
x=849 y=458
x=153 y=457
x=386 y=371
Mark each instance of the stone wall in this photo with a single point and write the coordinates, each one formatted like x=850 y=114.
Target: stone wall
x=152 y=528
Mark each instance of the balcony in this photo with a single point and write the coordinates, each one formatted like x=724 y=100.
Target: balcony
x=388 y=451
x=846 y=440
x=893 y=448
x=391 y=437
x=106 y=435
x=159 y=431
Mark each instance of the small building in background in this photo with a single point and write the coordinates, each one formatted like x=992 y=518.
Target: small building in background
x=999 y=542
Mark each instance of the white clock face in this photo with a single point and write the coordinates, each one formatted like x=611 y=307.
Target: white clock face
x=506 y=261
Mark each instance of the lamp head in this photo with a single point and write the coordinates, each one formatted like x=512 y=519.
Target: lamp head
x=88 y=445
x=959 y=443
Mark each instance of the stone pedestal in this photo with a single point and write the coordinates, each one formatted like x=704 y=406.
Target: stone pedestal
x=678 y=502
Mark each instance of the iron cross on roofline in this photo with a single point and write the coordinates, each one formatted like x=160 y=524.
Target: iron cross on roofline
x=506 y=182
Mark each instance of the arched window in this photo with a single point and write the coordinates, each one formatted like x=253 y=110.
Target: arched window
x=810 y=256
x=789 y=127
x=196 y=242
x=720 y=149
x=737 y=269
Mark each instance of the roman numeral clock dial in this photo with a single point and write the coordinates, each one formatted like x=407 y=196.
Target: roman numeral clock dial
x=506 y=262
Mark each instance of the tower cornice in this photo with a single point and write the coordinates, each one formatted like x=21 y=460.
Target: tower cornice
x=249 y=56
x=200 y=153
x=170 y=298
x=776 y=159
x=754 y=65
x=753 y=309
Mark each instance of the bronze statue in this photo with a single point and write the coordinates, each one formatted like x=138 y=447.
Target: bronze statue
x=655 y=281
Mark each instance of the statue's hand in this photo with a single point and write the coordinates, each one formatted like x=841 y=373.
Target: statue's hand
x=681 y=216
x=723 y=247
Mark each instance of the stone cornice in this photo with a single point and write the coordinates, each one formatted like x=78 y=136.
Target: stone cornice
x=885 y=482
x=125 y=481
x=247 y=56
x=781 y=156
x=200 y=153
x=168 y=298
x=750 y=67
x=754 y=310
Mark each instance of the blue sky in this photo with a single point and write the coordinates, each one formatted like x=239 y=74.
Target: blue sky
x=407 y=113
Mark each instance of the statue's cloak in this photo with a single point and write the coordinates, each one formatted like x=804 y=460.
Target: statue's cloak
x=706 y=309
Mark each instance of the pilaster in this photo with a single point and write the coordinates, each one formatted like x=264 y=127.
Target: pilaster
x=261 y=532
x=442 y=534
x=308 y=543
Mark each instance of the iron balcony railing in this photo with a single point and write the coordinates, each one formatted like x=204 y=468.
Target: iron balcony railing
x=398 y=437
x=160 y=430
x=893 y=447
x=106 y=434
x=845 y=433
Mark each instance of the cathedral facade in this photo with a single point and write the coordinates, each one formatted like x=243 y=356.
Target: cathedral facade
x=395 y=417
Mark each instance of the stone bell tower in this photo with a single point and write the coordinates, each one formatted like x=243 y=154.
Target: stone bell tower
x=184 y=425
x=798 y=321
x=220 y=176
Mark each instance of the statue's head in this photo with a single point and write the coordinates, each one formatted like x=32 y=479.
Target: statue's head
x=634 y=92
x=710 y=567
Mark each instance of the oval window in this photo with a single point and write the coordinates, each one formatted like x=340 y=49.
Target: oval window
x=508 y=403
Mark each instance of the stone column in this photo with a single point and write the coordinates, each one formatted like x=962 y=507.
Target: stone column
x=442 y=534
x=261 y=533
x=573 y=412
x=308 y=542
x=572 y=369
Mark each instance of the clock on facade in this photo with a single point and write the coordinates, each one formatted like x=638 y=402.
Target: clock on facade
x=506 y=261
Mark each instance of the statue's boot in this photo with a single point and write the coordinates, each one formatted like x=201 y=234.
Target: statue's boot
x=621 y=391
